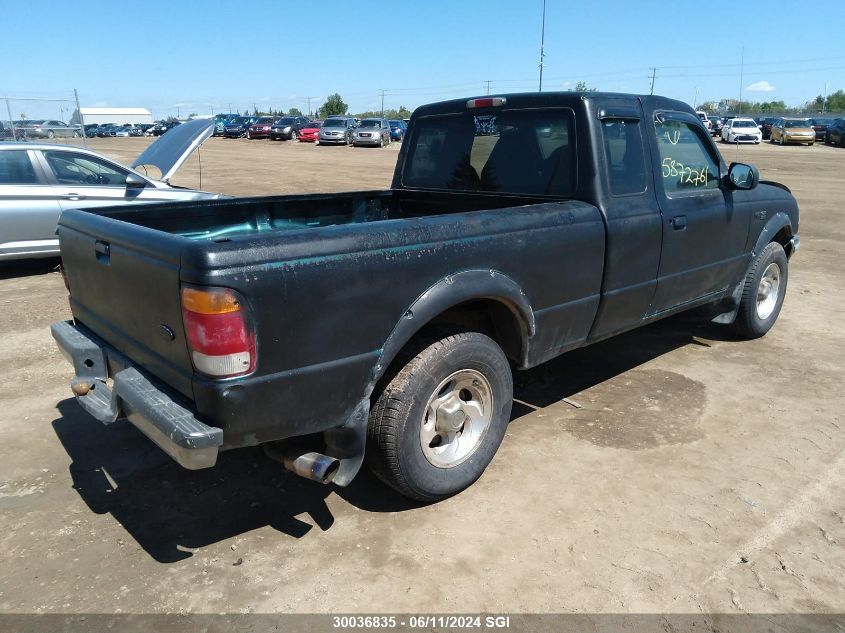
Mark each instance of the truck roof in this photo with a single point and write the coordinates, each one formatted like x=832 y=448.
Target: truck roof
x=551 y=99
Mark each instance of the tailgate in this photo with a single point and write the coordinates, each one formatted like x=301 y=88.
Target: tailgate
x=124 y=286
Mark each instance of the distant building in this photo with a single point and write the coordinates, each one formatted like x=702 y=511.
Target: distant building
x=118 y=116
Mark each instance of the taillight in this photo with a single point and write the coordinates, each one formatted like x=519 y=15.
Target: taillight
x=218 y=331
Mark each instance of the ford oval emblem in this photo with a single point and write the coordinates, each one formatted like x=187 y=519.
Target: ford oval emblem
x=166 y=332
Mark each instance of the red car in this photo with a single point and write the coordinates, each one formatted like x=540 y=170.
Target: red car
x=310 y=133
x=261 y=128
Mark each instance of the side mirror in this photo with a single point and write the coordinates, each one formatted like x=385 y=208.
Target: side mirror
x=134 y=181
x=742 y=176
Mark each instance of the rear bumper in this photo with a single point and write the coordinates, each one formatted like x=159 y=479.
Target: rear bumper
x=156 y=413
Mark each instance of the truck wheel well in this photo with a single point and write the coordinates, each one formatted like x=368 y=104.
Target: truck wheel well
x=488 y=316
x=491 y=317
x=782 y=237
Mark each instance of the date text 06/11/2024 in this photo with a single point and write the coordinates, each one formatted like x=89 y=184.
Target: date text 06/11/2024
x=421 y=621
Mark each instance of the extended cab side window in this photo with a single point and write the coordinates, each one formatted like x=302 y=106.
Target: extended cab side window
x=623 y=146
x=686 y=165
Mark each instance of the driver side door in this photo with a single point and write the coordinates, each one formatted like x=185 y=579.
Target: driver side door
x=82 y=181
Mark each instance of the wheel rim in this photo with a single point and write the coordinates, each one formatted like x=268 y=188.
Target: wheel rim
x=457 y=417
x=293 y=135
x=768 y=291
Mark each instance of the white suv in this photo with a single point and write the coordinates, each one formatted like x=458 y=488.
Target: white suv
x=741 y=130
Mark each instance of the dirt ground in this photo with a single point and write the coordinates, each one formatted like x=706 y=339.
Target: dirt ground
x=700 y=474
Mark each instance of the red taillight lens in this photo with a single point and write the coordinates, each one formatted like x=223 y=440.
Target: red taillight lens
x=219 y=335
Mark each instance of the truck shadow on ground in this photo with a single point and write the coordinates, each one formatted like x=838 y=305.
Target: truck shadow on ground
x=28 y=267
x=170 y=511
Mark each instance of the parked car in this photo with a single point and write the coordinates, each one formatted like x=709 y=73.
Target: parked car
x=162 y=127
x=412 y=305
x=90 y=129
x=766 y=126
x=715 y=125
x=336 y=130
x=288 y=128
x=741 y=130
x=836 y=133
x=375 y=132
x=260 y=128
x=49 y=128
x=310 y=133
x=704 y=119
x=237 y=128
x=38 y=182
x=220 y=122
x=397 y=129
x=819 y=126
x=787 y=130
x=6 y=130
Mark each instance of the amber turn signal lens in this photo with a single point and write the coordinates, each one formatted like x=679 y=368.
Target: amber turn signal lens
x=210 y=300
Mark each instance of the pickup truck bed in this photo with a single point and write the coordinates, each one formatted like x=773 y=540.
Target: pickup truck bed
x=540 y=223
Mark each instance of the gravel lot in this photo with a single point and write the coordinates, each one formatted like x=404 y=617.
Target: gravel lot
x=700 y=474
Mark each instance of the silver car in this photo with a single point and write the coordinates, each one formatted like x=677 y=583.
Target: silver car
x=39 y=181
x=336 y=130
x=372 y=132
x=45 y=128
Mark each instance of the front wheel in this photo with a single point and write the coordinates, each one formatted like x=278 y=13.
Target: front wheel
x=293 y=135
x=763 y=292
x=437 y=424
x=780 y=140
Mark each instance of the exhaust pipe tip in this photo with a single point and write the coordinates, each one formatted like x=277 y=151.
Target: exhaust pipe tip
x=312 y=465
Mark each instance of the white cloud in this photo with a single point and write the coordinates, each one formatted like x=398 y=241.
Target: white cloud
x=760 y=86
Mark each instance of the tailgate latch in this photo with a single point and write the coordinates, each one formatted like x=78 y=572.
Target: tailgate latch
x=103 y=251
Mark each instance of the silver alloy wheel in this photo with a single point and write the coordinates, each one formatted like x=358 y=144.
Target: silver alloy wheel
x=293 y=135
x=457 y=417
x=768 y=291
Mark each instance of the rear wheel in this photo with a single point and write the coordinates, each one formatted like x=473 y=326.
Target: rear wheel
x=438 y=423
x=763 y=292
x=780 y=140
x=51 y=134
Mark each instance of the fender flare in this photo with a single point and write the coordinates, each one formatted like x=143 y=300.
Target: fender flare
x=775 y=223
x=467 y=285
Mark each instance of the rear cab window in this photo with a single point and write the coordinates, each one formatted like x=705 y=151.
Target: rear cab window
x=529 y=152
x=686 y=163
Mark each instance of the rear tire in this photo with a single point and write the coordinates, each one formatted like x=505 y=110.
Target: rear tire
x=437 y=424
x=763 y=292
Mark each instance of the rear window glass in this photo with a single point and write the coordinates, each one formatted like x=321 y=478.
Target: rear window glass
x=16 y=168
x=528 y=152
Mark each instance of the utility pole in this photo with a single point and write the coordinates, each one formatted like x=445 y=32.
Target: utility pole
x=695 y=101
x=81 y=119
x=488 y=86
x=309 y=104
x=653 y=77
x=741 y=75
x=12 y=123
x=542 y=45
x=382 y=103
x=824 y=98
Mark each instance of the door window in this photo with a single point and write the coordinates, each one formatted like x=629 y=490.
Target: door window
x=623 y=145
x=686 y=165
x=80 y=169
x=16 y=168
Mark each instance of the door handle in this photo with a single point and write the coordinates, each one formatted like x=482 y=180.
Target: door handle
x=679 y=222
x=73 y=196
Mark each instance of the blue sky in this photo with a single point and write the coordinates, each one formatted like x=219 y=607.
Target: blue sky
x=184 y=57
